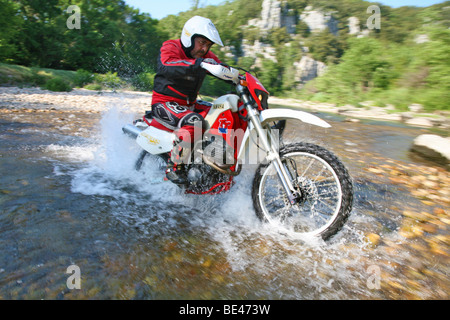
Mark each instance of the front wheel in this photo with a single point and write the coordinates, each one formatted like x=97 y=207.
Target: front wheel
x=324 y=186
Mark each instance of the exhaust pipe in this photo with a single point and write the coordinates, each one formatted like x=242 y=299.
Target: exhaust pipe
x=131 y=130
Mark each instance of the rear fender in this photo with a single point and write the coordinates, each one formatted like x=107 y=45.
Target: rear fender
x=155 y=141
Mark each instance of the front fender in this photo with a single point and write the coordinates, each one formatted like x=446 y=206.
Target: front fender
x=270 y=115
x=286 y=114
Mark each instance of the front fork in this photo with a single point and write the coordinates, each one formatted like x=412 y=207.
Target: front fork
x=272 y=154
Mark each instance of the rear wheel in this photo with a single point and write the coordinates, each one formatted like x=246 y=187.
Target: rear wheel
x=324 y=185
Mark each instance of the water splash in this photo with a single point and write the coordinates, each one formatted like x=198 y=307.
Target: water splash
x=277 y=265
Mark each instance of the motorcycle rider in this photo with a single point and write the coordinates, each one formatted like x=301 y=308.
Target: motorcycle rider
x=177 y=82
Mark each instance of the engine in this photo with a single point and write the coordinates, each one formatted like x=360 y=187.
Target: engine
x=203 y=177
x=213 y=158
x=217 y=152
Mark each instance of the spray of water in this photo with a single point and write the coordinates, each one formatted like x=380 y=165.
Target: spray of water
x=284 y=266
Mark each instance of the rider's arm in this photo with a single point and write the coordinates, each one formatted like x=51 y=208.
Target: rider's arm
x=173 y=64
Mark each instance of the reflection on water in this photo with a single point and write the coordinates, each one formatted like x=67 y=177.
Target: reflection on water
x=69 y=195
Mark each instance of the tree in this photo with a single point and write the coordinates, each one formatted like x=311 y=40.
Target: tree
x=325 y=47
x=10 y=24
x=195 y=4
x=39 y=37
x=270 y=76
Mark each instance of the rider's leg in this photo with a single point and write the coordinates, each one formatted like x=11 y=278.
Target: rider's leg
x=186 y=124
x=189 y=132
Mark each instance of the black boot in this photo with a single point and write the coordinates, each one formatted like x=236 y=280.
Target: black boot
x=176 y=173
x=176 y=168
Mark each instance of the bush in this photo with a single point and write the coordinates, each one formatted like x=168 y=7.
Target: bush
x=109 y=80
x=57 y=84
x=83 y=77
x=93 y=86
x=143 y=81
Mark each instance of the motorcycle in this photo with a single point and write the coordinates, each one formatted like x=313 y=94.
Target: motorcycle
x=301 y=188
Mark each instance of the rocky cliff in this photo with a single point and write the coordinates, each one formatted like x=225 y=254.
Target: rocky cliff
x=276 y=14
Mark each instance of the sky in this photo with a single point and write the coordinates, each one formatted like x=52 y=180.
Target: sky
x=159 y=9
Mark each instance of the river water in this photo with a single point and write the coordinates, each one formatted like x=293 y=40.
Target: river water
x=69 y=196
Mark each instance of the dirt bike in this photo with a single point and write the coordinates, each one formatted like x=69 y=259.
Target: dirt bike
x=301 y=188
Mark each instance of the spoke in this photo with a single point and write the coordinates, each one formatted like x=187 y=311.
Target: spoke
x=307 y=168
x=331 y=192
x=326 y=185
x=325 y=182
x=318 y=183
x=274 y=200
x=326 y=204
x=321 y=217
x=319 y=174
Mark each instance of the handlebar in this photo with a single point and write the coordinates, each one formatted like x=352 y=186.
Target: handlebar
x=222 y=72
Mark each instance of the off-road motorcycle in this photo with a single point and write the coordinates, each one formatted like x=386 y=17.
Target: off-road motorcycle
x=301 y=188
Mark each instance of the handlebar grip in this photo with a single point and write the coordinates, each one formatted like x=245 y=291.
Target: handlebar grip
x=222 y=72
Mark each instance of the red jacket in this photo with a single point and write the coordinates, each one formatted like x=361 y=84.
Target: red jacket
x=178 y=77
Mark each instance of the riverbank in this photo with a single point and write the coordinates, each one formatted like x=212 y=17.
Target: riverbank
x=35 y=98
x=415 y=117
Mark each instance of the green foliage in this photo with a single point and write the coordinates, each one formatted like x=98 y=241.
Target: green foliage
x=214 y=87
x=57 y=84
x=94 y=87
x=392 y=73
x=228 y=18
x=434 y=57
x=83 y=77
x=109 y=80
x=302 y=29
x=143 y=81
x=269 y=75
x=325 y=47
x=117 y=42
x=113 y=36
x=363 y=69
x=25 y=76
x=9 y=28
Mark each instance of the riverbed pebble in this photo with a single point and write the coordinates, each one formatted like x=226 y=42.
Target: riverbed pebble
x=39 y=100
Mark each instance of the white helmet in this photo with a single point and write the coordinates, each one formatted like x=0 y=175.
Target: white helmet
x=199 y=26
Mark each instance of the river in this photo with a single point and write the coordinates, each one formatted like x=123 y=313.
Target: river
x=70 y=197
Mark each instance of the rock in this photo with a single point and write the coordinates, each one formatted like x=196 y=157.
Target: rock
x=353 y=25
x=373 y=239
x=420 y=122
x=38 y=100
x=275 y=14
x=270 y=14
x=353 y=120
x=433 y=147
x=308 y=69
x=421 y=38
x=259 y=49
x=318 y=21
x=415 y=107
x=406 y=116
